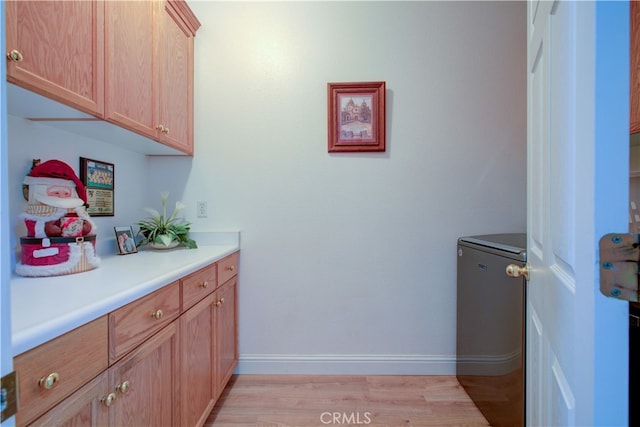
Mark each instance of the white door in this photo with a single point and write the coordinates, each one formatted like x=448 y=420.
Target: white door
x=577 y=174
x=6 y=361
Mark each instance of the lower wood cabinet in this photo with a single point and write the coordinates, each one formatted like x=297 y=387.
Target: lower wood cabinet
x=171 y=377
x=209 y=351
x=198 y=362
x=145 y=383
x=83 y=408
x=52 y=371
x=130 y=325
x=226 y=334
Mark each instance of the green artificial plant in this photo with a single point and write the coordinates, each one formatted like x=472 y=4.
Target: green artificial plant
x=162 y=230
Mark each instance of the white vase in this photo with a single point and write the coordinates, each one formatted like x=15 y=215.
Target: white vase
x=171 y=245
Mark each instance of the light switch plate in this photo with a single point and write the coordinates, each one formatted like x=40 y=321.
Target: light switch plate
x=202 y=209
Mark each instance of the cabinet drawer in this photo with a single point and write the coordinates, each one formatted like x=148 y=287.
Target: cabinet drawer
x=227 y=268
x=84 y=407
x=52 y=371
x=198 y=285
x=136 y=321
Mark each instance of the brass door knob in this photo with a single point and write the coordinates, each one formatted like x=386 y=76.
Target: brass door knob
x=157 y=314
x=15 y=56
x=205 y=284
x=514 y=270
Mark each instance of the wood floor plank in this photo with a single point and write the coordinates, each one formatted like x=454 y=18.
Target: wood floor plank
x=321 y=400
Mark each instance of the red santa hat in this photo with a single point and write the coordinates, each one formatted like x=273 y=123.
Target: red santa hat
x=56 y=172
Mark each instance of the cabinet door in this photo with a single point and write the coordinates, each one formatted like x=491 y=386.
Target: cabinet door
x=129 y=29
x=634 y=59
x=146 y=383
x=85 y=407
x=175 y=106
x=46 y=60
x=226 y=333
x=197 y=335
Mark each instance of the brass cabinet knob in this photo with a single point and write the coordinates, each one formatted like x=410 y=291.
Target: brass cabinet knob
x=231 y=268
x=108 y=399
x=157 y=314
x=205 y=284
x=218 y=303
x=49 y=381
x=160 y=128
x=123 y=387
x=15 y=56
x=165 y=131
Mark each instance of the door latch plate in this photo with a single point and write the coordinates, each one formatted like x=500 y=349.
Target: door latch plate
x=8 y=396
x=619 y=260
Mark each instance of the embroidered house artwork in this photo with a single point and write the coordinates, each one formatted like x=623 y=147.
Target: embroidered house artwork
x=60 y=233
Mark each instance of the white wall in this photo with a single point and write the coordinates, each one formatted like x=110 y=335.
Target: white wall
x=348 y=260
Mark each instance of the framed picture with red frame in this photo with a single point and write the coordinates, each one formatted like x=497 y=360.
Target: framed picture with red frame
x=356 y=116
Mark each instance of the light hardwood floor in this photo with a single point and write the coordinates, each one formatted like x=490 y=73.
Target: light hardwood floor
x=303 y=400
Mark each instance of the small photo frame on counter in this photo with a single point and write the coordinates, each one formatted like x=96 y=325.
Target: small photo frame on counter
x=125 y=241
x=98 y=178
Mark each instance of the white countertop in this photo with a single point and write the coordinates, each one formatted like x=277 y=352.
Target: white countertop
x=44 y=308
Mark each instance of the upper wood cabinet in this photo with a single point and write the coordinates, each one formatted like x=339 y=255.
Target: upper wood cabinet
x=175 y=92
x=149 y=69
x=129 y=65
x=56 y=49
x=127 y=62
x=634 y=61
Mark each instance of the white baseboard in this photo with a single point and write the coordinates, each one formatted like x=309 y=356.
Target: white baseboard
x=347 y=364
